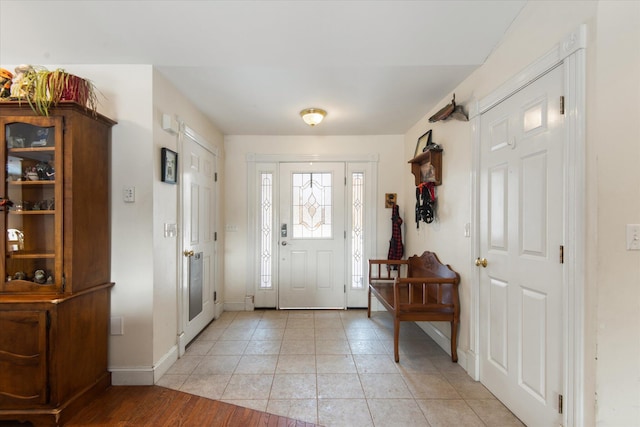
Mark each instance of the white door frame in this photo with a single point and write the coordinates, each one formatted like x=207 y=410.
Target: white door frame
x=181 y=291
x=571 y=52
x=270 y=162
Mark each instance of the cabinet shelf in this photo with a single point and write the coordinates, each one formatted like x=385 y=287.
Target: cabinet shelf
x=36 y=212
x=30 y=183
x=31 y=255
x=32 y=150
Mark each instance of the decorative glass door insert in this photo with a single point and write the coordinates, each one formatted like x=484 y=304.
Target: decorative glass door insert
x=312 y=205
x=31 y=194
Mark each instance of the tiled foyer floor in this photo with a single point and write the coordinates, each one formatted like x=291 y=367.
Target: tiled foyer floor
x=333 y=368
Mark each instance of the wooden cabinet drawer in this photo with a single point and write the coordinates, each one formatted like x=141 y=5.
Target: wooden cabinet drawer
x=23 y=358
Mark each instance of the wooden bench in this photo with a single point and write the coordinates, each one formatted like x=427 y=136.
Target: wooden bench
x=420 y=288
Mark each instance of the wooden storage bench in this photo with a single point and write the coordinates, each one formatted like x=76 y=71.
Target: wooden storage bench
x=420 y=288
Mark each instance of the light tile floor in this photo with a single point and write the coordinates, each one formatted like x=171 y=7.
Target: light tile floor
x=333 y=368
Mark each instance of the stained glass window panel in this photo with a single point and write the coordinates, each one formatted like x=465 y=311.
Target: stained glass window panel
x=357 y=236
x=312 y=208
x=266 y=230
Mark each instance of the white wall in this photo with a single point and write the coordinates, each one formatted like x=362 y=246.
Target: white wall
x=392 y=167
x=612 y=311
x=614 y=176
x=128 y=92
x=167 y=100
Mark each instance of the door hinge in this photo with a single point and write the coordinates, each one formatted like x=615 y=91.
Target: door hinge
x=561 y=254
x=345 y=289
x=345 y=234
x=560 y=404
x=562 y=105
x=215 y=177
x=345 y=181
x=215 y=296
x=215 y=236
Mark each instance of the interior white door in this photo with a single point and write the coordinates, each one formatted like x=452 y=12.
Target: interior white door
x=198 y=237
x=312 y=236
x=521 y=235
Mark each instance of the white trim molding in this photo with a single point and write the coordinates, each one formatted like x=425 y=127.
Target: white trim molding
x=144 y=375
x=571 y=52
x=258 y=163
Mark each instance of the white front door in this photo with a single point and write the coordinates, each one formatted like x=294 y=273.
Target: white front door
x=312 y=235
x=198 y=238
x=521 y=238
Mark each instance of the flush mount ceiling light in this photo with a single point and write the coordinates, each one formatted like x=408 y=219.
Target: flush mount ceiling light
x=312 y=116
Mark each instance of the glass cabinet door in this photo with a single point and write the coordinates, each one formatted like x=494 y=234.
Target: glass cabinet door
x=31 y=204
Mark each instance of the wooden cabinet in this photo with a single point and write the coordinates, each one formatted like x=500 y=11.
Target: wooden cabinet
x=55 y=270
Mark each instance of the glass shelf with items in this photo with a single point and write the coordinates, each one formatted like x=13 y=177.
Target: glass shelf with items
x=32 y=222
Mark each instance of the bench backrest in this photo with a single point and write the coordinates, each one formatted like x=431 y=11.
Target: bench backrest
x=443 y=290
x=428 y=265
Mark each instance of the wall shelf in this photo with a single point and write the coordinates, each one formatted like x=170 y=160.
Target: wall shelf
x=427 y=166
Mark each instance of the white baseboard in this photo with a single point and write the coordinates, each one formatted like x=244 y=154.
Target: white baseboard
x=132 y=376
x=144 y=375
x=218 y=309
x=163 y=365
x=182 y=344
x=473 y=365
x=445 y=343
x=234 y=306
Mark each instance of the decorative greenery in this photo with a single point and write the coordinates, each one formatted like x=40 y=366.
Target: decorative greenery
x=44 y=89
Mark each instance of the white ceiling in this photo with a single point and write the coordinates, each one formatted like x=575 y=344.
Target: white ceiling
x=377 y=67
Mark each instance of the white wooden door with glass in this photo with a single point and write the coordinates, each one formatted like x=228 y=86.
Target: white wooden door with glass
x=198 y=237
x=521 y=238
x=312 y=235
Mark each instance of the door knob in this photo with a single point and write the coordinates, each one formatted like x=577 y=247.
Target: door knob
x=481 y=262
x=188 y=253
x=284 y=243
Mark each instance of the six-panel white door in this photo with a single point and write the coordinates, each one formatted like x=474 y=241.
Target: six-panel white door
x=198 y=237
x=312 y=235
x=521 y=234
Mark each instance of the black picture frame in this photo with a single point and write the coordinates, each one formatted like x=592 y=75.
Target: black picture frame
x=422 y=143
x=169 y=166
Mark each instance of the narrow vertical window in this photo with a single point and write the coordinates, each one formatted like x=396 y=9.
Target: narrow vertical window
x=266 y=230
x=357 y=229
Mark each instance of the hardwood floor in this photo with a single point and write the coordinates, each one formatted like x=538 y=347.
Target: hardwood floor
x=125 y=406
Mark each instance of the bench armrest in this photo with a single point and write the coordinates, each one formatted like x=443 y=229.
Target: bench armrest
x=387 y=269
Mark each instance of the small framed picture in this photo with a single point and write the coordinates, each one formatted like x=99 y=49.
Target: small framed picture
x=169 y=166
x=423 y=142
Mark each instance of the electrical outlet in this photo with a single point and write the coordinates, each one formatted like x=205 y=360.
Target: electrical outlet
x=633 y=237
x=129 y=194
x=116 y=326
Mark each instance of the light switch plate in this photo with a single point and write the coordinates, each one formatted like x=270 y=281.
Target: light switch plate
x=170 y=230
